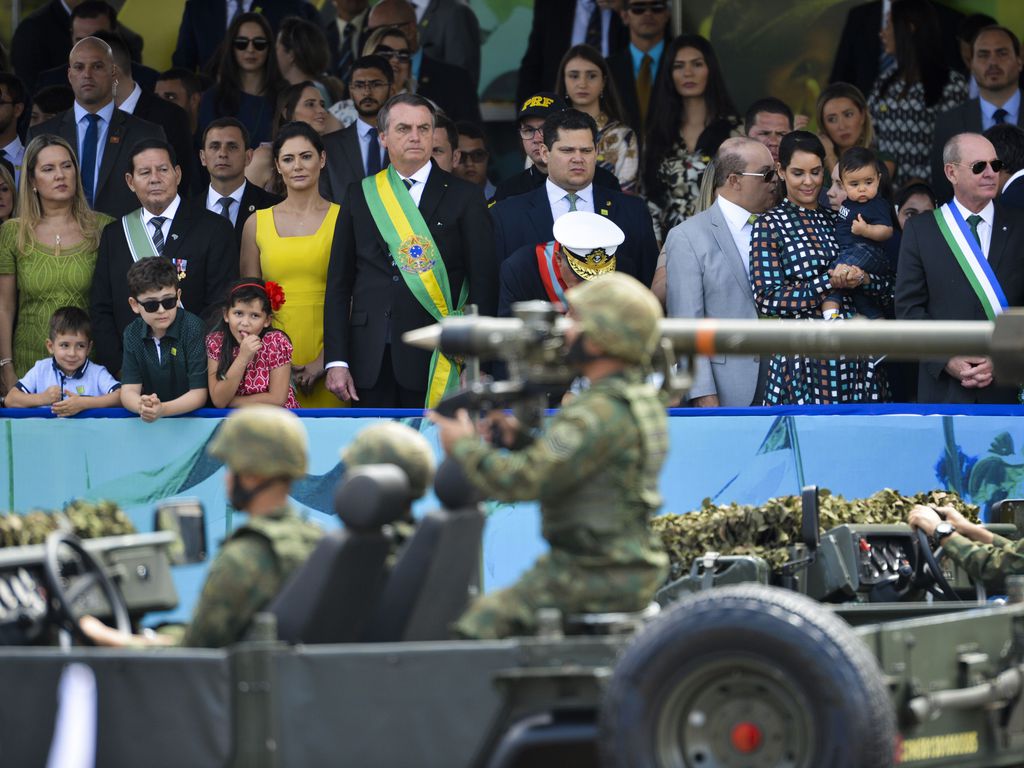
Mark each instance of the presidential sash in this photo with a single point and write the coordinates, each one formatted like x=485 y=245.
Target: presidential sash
x=140 y=244
x=418 y=260
x=971 y=259
x=554 y=286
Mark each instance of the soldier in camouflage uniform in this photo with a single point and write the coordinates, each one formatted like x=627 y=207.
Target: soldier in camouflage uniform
x=594 y=469
x=987 y=557
x=265 y=449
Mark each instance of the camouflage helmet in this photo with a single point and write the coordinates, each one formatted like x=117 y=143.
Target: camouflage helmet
x=392 y=442
x=618 y=314
x=262 y=440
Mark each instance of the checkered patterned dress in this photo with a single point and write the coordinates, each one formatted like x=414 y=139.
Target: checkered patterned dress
x=791 y=249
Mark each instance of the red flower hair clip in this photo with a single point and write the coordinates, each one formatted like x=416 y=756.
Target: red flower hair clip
x=275 y=293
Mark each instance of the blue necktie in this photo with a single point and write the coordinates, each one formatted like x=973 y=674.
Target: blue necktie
x=89 y=149
x=999 y=116
x=373 y=153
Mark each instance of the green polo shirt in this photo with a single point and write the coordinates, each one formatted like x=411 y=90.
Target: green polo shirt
x=181 y=365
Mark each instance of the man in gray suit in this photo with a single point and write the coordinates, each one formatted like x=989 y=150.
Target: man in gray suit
x=708 y=267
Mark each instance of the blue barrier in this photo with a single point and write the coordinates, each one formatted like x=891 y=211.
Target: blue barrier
x=741 y=455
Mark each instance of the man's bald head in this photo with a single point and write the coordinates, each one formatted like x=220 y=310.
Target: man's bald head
x=740 y=165
x=735 y=154
x=961 y=155
x=396 y=13
x=92 y=44
x=91 y=72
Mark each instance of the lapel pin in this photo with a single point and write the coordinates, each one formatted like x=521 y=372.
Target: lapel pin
x=604 y=211
x=115 y=139
x=174 y=236
x=252 y=208
x=1004 y=229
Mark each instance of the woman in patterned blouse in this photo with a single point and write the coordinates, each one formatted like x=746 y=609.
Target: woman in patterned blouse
x=908 y=95
x=792 y=248
x=694 y=116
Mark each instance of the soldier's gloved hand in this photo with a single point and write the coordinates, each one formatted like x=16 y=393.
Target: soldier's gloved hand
x=451 y=431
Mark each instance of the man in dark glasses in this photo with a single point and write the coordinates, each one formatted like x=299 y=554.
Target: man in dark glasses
x=708 y=267
x=635 y=69
x=963 y=262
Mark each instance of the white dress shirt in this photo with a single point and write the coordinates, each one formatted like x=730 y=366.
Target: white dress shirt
x=14 y=153
x=168 y=213
x=984 y=226
x=421 y=8
x=213 y=201
x=558 y=198
x=738 y=221
x=129 y=104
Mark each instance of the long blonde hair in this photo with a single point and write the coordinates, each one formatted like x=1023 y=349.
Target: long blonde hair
x=30 y=209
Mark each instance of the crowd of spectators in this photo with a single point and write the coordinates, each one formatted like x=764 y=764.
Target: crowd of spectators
x=262 y=221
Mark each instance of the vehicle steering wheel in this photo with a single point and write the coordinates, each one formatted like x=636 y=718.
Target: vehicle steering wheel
x=63 y=599
x=942 y=588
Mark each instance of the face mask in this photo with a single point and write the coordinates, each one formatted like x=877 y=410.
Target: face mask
x=239 y=498
x=576 y=355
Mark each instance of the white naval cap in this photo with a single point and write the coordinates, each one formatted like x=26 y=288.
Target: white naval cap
x=589 y=242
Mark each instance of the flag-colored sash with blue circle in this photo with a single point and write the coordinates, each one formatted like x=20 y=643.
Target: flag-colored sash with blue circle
x=971 y=259
x=416 y=255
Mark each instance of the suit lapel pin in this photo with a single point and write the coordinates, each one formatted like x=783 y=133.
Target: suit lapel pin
x=252 y=208
x=604 y=211
x=174 y=236
x=115 y=139
x=1004 y=228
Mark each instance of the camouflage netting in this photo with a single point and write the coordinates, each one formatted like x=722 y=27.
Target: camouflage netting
x=87 y=520
x=767 y=530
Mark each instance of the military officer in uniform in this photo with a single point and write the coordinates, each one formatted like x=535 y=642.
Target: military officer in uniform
x=985 y=556
x=265 y=450
x=594 y=469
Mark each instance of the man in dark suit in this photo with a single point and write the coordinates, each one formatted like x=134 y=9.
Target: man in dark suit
x=101 y=134
x=449 y=31
x=225 y=155
x=204 y=22
x=448 y=86
x=369 y=302
x=635 y=69
x=996 y=66
x=201 y=245
x=559 y=25
x=356 y=151
x=343 y=27
x=570 y=154
x=1008 y=141
x=932 y=284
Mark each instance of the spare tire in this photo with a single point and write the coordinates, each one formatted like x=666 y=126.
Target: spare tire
x=747 y=676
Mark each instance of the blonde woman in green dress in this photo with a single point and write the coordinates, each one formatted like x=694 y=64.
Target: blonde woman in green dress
x=47 y=253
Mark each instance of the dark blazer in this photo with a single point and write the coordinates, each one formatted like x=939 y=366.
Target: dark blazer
x=533 y=177
x=174 y=120
x=1013 y=195
x=344 y=163
x=962 y=118
x=519 y=280
x=449 y=31
x=860 y=48
x=145 y=76
x=550 y=38
x=204 y=239
x=113 y=197
x=341 y=67
x=931 y=285
x=254 y=199
x=363 y=274
x=204 y=22
x=621 y=65
x=526 y=219
x=451 y=88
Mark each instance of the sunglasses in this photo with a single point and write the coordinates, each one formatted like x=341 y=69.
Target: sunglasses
x=475 y=156
x=388 y=53
x=978 y=168
x=641 y=8
x=151 y=306
x=766 y=176
x=259 y=43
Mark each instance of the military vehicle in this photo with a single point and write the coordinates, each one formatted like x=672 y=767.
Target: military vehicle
x=865 y=649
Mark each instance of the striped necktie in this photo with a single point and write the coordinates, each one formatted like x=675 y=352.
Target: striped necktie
x=158 y=233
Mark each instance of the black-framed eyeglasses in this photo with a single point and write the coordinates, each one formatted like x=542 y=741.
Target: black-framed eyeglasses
x=766 y=176
x=259 y=43
x=529 y=131
x=474 y=156
x=389 y=54
x=978 y=168
x=639 y=8
x=368 y=85
x=168 y=302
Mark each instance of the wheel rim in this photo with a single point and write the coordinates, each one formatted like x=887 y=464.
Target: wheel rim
x=735 y=713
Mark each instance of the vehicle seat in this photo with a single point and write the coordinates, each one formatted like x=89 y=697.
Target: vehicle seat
x=329 y=598
x=429 y=585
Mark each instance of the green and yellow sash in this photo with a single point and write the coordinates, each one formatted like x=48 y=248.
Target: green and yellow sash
x=418 y=259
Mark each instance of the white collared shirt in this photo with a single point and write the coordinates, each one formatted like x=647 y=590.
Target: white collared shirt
x=419 y=180
x=421 y=8
x=984 y=226
x=363 y=132
x=168 y=213
x=213 y=201
x=102 y=128
x=14 y=153
x=738 y=221
x=129 y=104
x=558 y=198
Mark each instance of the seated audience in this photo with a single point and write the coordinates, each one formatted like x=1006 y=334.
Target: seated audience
x=473 y=157
x=584 y=81
x=250 y=362
x=66 y=381
x=767 y=121
x=163 y=371
x=47 y=255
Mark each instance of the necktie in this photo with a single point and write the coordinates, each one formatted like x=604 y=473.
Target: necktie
x=408 y=183
x=752 y=218
x=158 y=233
x=89 y=148
x=373 y=154
x=999 y=116
x=593 y=37
x=225 y=207
x=974 y=220
x=573 y=197
x=643 y=86
x=345 y=51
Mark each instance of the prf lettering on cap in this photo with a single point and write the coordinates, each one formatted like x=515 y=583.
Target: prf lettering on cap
x=537 y=101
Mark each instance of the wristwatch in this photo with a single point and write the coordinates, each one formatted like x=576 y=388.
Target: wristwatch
x=942 y=530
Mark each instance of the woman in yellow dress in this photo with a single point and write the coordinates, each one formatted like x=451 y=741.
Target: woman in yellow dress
x=290 y=244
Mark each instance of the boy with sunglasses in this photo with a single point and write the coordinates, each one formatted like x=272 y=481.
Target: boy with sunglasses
x=164 y=367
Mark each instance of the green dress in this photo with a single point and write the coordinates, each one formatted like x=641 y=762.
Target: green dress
x=45 y=283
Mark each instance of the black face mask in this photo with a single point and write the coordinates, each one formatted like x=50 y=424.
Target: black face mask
x=576 y=355
x=239 y=498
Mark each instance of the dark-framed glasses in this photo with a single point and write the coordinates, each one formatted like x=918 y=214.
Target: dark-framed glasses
x=639 y=8
x=474 y=156
x=151 y=306
x=766 y=176
x=529 y=131
x=368 y=85
x=259 y=43
x=978 y=168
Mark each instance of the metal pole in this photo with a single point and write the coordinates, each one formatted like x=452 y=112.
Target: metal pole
x=677 y=17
